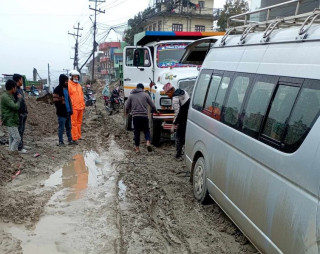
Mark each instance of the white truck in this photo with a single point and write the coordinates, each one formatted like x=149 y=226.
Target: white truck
x=154 y=60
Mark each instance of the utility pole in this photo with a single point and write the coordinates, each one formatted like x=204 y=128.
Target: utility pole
x=76 y=48
x=66 y=70
x=94 y=30
x=49 y=80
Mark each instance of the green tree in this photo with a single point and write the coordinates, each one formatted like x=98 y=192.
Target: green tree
x=231 y=8
x=136 y=25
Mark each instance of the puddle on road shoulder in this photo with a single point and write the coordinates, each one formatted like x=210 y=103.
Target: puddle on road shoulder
x=80 y=185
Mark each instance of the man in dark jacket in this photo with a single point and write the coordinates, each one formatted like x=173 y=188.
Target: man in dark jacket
x=23 y=111
x=10 y=114
x=64 y=109
x=137 y=104
x=180 y=104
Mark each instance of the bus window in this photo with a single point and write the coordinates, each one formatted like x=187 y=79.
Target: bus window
x=212 y=93
x=279 y=112
x=305 y=112
x=129 y=56
x=235 y=99
x=257 y=105
x=201 y=90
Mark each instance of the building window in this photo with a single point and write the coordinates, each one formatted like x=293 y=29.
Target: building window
x=154 y=28
x=160 y=26
x=177 y=27
x=201 y=4
x=200 y=28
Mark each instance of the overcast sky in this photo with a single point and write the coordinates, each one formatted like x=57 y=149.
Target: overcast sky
x=34 y=33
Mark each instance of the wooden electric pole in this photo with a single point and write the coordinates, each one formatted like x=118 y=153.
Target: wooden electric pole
x=94 y=30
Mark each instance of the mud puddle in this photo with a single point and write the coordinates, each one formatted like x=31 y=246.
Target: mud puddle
x=80 y=217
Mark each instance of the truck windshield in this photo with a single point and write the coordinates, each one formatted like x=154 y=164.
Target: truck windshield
x=169 y=54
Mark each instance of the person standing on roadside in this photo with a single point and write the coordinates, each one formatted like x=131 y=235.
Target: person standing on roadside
x=63 y=105
x=78 y=104
x=180 y=104
x=137 y=104
x=10 y=114
x=23 y=111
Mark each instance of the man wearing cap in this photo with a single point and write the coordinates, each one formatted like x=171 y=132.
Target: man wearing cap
x=137 y=104
x=180 y=104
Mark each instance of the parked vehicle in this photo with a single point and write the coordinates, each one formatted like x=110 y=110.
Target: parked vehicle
x=117 y=106
x=253 y=139
x=156 y=56
x=27 y=84
x=89 y=98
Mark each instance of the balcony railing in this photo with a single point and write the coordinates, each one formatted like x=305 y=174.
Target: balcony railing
x=104 y=72
x=104 y=59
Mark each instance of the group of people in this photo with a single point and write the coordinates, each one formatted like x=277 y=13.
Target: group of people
x=69 y=101
x=14 y=112
x=137 y=104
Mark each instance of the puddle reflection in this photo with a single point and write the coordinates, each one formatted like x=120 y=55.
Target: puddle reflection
x=77 y=175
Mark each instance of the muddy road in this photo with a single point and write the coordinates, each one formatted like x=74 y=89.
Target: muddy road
x=101 y=197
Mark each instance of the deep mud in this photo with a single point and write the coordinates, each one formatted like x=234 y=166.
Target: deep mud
x=100 y=197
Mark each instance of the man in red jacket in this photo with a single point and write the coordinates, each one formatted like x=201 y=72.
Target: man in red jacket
x=78 y=104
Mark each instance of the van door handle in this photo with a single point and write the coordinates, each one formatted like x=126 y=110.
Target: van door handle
x=127 y=79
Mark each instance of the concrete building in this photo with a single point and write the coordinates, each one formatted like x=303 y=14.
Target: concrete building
x=288 y=10
x=111 y=60
x=180 y=15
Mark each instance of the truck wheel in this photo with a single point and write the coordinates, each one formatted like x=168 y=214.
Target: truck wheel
x=200 y=188
x=156 y=129
x=128 y=122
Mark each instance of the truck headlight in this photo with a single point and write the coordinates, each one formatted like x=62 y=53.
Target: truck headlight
x=165 y=102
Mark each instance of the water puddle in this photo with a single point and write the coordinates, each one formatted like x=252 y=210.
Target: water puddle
x=122 y=190
x=79 y=174
x=79 y=217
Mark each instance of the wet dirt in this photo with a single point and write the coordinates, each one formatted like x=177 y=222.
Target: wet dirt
x=101 y=197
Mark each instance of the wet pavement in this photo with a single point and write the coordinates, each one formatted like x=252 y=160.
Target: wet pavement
x=81 y=215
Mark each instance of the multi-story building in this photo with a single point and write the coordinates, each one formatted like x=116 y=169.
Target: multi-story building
x=111 y=59
x=180 y=15
x=287 y=10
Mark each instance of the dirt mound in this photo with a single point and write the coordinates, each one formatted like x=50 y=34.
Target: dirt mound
x=48 y=98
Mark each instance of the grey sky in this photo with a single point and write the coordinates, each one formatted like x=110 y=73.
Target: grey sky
x=34 y=33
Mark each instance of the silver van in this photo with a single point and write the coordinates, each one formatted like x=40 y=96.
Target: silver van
x=253 y=133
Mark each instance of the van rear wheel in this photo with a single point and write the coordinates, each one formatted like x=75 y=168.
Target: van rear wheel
x=200 y=189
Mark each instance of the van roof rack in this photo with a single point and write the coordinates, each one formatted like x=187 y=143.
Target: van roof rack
x=279 y=22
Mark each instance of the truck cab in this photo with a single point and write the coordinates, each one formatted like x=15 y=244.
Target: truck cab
x=154 y=60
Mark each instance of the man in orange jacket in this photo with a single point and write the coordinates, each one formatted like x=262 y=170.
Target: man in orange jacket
x=78 y=104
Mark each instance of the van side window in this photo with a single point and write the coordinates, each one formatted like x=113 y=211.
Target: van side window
x=235 y=99
x=257 y=104
x=220 y=96
x=305 y=112
x=201 y=90
x=280 y=111
x=211 y=96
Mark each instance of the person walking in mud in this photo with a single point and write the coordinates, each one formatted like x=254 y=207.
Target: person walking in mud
x=180 y=104
x=78 y=104
x=10 y=114
x=137 y=104
x=63 y=105
x=23 y=111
